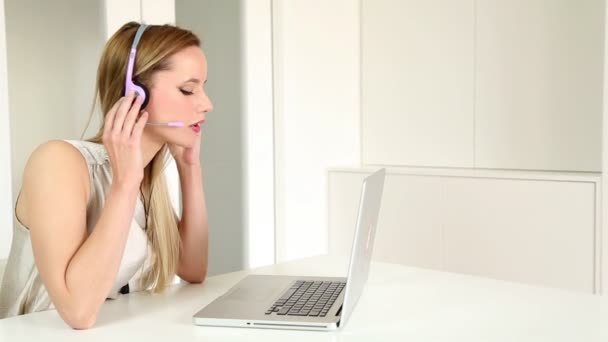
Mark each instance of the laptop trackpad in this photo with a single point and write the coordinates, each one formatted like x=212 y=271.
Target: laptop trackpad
x=257 y=294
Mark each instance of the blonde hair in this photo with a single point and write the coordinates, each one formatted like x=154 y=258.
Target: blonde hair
x=156 y=46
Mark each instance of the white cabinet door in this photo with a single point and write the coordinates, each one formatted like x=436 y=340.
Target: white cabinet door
x=539 y=84
x=417 y=69
x=409 y=229
x=531 y=231
x=538 y=232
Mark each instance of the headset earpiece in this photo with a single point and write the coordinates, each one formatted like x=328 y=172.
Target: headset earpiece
x=141 y=90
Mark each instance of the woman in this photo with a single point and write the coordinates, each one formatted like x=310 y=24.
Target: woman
x=93 y=218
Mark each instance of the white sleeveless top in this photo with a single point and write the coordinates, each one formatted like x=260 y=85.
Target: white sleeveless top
x=22 y=290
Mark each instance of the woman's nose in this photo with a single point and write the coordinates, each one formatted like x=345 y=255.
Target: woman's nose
x=205 y=105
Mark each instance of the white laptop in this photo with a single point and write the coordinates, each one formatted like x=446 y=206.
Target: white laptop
x=303 y=302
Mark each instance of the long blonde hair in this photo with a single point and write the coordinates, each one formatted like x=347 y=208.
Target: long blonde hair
x=156 y=46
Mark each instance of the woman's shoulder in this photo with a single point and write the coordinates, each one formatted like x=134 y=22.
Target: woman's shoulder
x=55 y=166
x=54 y=149
x=92 y=153
x=56 y=154
x=72 y=157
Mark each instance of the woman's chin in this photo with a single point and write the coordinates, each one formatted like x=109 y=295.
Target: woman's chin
x=185 y=143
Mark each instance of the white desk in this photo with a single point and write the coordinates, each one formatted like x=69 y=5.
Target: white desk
x=411 y=305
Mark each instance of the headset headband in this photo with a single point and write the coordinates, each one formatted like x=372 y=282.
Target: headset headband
x=129 y=79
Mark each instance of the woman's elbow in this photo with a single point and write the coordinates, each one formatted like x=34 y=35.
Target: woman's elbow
x=195 y=277
x=82 y=324
x=198 y=279
x=79 y=318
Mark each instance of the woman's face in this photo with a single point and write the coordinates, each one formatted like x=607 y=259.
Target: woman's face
x=178 y=94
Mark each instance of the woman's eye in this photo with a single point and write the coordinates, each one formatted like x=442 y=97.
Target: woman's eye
x=185 y=92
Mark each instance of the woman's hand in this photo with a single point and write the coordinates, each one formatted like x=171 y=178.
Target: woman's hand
x=122 y=139
x=187 y=156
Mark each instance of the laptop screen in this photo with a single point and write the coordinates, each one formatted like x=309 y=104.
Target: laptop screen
x=363 y=242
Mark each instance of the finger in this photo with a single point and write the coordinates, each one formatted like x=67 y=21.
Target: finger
x=138 y=128
x=109 y=119
x=131 y=117
x=121 y=112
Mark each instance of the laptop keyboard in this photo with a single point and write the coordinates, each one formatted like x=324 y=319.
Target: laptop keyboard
x=307 y=298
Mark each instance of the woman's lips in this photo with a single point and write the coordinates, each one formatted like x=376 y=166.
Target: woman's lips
x=197 y=126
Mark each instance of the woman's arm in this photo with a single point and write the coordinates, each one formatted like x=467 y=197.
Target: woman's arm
x=193 y=227
x=77 y=270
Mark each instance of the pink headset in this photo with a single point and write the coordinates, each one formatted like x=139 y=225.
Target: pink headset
x=140 y=89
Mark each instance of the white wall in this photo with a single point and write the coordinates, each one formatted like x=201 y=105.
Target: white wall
x=157 y=12
x=62 y=83
x=603 y=196
x=118 y=12
x=316 y=80
x=6 y=199
x=219 y=25
x=237 y=154
x=258 y=132
x=152 y=12
x=65 y=79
